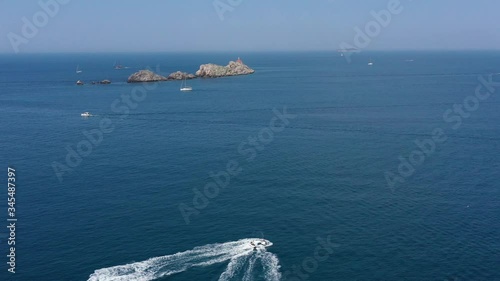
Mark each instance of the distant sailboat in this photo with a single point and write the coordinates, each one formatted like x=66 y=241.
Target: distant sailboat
x=118 y=65
x=78 y=70
x=185 y=87
x=370 y=63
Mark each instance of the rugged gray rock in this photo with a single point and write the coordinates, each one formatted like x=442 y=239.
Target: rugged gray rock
x=145 y=76
x=206 y=71
x=232 y=69
x=181 y=76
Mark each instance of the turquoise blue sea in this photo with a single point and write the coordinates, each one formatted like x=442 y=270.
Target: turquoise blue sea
x=352 y=172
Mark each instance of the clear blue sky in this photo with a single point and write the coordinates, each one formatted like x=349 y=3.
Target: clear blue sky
x=194 y=25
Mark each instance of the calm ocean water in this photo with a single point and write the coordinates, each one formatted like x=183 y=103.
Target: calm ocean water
x=322 y=178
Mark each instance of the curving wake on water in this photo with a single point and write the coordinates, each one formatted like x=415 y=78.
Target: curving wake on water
x=245 y=264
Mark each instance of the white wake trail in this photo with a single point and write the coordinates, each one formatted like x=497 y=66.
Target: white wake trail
x=270 y=262
x=246 y=267
x=250 y=269
x=237 y=252
x=234 y=267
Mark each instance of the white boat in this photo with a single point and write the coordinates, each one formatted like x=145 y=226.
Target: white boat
x=185 y=87
x=78 y=69
x=86 y=114
x=370 y=63
x=118 y=66
x=260 y=244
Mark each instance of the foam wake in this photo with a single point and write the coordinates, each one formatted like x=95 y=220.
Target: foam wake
x=260 y=264
x=244 y=264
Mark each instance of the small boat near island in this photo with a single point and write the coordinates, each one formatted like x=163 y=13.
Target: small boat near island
x=86 y=114
x=118 y=66
x=79 y=83
x=185 y=87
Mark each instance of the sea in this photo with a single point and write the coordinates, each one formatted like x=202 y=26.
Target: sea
x=386 y=172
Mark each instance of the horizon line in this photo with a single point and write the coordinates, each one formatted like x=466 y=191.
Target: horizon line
x=242 y=51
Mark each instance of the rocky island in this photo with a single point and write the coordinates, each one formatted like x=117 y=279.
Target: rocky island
x=180 y=76
x=145 y=76
x=232 y=69
x=210 y=70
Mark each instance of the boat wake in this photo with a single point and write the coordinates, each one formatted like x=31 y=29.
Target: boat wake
x=245 y=264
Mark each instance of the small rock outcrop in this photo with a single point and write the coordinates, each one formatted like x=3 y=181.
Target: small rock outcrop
x=145 y=76
x=104 y=82
x=232 y=69
x=180 y=76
